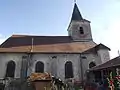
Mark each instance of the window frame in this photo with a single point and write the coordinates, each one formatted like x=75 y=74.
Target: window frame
x=39 y=67
x=10 y=69
x=69 y=73
x=81 y=31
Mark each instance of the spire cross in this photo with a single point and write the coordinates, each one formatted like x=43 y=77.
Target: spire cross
x=74 y=1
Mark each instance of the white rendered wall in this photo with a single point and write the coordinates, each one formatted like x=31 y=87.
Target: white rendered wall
x=56 y=66
x=104 y=55
x=53 y=63
x=5 y=58
x=89 y=58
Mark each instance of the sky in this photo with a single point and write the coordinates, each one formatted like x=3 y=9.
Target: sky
x=52 y=17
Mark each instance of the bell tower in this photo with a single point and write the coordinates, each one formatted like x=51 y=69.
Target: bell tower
x=79 y=29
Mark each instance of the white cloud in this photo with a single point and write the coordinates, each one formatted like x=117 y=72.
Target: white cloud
x=1 y=39
x=111 y=37
x=106 y=27
x=0 y=35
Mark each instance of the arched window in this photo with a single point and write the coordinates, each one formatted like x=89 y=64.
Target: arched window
x=10 y=71
x=68 y=69
x=81 y=30
x=39 y=68
x=92 y=64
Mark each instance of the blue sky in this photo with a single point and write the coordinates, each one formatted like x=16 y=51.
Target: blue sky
x=52 y=17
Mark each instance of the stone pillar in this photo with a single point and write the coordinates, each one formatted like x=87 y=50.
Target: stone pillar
x=24 y=66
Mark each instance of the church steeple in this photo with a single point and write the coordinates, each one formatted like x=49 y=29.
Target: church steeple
x=76 y=15
x=79 y=29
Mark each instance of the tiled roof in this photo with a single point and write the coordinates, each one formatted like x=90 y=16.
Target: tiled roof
x=111 y=63
x=44 y=44
x=96 y=48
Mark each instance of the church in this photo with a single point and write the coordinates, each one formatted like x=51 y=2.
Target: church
x=65 y=57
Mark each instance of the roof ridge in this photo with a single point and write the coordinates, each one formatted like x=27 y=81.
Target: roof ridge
x=17 y=35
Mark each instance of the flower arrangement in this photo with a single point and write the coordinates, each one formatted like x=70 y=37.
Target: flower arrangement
x=40 y=76
x=114 y=81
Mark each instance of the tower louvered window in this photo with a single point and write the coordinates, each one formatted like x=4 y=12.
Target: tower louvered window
x=81 y=30
x=92 y=64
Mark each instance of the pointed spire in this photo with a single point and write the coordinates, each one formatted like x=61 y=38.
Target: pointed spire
x=76 y=15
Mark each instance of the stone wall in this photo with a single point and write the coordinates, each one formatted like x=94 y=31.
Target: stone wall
x=53 y=63
x=104 y=55
x=86 y=59
x=5 y=58
x=73 y=31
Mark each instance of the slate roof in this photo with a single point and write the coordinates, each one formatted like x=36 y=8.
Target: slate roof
x=111 y=63
x=76 y=15
x=44 y=44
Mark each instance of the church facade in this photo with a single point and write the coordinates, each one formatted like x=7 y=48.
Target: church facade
x=63 y=56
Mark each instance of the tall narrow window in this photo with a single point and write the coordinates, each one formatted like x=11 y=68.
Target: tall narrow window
x=81 y=30
x=92 y=64
x=39 y=68
x=68 y=70
x=10 y=71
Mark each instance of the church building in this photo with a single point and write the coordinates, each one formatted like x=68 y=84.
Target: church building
x=65 y=57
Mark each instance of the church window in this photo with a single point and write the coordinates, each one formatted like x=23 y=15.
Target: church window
x=39 y=68
x=92 y=64
x=10 y=71
x=81 y=30
x=68 y=69
x=53 y=57
x=83 y=57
